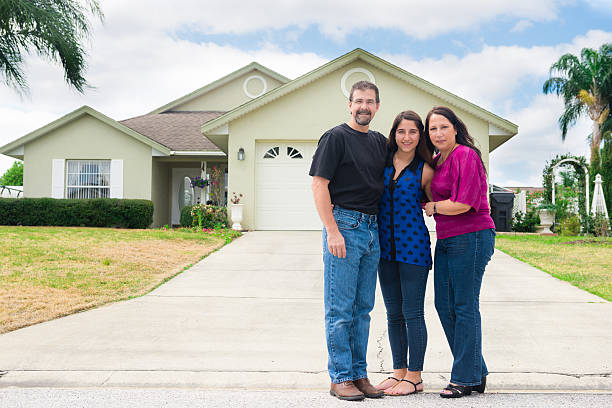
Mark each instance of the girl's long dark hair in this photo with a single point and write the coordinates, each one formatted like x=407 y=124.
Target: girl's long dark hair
x=463 y=136
x=424 y=148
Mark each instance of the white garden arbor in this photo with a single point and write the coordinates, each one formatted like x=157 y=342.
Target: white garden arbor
x=586 y=179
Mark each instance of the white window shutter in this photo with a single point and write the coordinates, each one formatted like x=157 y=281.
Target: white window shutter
x=57 y=178
x=116 y=179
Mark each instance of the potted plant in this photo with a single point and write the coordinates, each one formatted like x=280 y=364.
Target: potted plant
x=546 y=212
x=198 y=182
x=236 y=211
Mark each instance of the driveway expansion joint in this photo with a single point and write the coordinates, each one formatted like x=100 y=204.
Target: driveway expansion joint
x=379 y=346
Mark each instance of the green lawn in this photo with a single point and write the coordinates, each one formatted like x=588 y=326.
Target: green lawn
x=47 y=272
x=587 y=265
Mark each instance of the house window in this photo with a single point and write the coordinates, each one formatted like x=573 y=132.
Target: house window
x=88 y=178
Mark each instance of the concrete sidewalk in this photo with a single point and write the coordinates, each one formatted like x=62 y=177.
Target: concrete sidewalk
x=251 y=316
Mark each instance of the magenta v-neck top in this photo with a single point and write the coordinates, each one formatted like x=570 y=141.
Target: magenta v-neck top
x=461 y=178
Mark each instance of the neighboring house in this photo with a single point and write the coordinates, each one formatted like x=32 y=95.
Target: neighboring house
x=259 y=126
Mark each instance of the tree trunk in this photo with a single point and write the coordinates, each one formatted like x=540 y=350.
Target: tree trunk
x=595 y=142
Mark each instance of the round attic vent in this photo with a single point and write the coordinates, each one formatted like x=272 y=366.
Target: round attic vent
x=348 y=73
x=264 y=86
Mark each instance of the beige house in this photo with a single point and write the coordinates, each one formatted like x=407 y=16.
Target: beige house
x=258 y=126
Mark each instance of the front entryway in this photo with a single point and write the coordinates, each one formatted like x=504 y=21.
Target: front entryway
x=181 y=192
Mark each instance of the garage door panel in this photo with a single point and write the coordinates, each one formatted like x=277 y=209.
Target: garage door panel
x=288 y=197
x=283 y=198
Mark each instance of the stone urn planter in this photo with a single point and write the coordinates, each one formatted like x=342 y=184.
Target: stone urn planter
x=547 y=218
x=237 y=216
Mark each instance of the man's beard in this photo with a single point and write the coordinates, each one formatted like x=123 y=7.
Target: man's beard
x=365 y=120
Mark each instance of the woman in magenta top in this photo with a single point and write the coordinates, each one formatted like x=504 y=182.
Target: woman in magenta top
x=466 y=239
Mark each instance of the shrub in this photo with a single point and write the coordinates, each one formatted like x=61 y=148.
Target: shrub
x=186 y=217
x=601 y=226
x=569 y=226
x=97 y=212
x=209 y=216
x=525 y=222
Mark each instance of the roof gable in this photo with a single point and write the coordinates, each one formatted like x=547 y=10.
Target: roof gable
x=74 y=115
x=186 y=103
x=359 y=54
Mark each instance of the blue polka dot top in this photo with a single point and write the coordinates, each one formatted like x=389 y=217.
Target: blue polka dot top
x=403 y=234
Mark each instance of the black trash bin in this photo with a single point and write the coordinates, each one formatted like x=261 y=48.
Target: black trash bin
x=501 y=209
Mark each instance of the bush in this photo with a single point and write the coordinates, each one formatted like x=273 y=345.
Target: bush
x=525 y=222
x=569 y=226
x=98 y=212
x=209 y=216
x=601 y=226
x=186 y=218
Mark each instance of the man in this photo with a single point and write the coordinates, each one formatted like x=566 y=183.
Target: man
x=347 y=171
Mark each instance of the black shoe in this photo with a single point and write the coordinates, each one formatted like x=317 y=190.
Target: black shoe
x=457 y=391
x=480 y=388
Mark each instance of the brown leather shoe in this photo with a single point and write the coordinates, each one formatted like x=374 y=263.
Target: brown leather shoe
x=363 y=385
x=346 y=391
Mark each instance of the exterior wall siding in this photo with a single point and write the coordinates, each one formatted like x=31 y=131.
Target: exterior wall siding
x=87 y=138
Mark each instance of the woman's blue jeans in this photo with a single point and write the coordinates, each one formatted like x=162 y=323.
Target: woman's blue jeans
x=459 y=264
x=349 y=291
x=403 y=288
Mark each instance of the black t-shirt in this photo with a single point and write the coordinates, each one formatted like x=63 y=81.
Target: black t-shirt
x=354 y=163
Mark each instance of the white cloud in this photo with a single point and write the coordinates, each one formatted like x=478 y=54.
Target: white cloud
x=521 y=26
x=520 y=161
x=418 y=18
x=494 y=75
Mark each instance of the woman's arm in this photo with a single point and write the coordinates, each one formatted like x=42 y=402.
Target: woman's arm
x=446 y=207
x=426 y=178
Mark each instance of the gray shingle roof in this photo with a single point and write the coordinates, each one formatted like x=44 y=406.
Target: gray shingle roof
x=177 y=130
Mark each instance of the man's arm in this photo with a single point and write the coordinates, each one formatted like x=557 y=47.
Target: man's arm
x=322 y=200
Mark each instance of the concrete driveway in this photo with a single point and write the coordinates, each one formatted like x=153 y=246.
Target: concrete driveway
x=251 y=316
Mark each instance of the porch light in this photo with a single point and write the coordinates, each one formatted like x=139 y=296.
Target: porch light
x=241 y=154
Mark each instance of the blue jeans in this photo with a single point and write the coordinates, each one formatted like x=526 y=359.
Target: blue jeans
x=459 y=264
x=403 y=288
x=350 y=285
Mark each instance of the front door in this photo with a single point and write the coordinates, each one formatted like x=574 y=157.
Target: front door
x=181 y=191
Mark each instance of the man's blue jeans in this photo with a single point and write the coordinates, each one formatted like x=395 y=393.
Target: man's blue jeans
x=350 y=285
x=459 y=265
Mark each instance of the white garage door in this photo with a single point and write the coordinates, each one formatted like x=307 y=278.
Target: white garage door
x=283 y=198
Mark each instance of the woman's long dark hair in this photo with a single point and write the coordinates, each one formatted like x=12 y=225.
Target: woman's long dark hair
x=463 y=136
x=424 y=148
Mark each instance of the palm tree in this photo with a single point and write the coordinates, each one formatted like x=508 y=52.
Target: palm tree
x=586 y=87
x=51 y=28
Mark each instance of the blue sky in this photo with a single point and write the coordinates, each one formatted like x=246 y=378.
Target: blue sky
x=493 y=53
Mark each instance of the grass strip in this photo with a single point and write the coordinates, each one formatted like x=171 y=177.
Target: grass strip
x=582 y=261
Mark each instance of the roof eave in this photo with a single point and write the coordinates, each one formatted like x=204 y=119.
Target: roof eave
x=219 y=82
x=357 y=53
x=83 y=110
